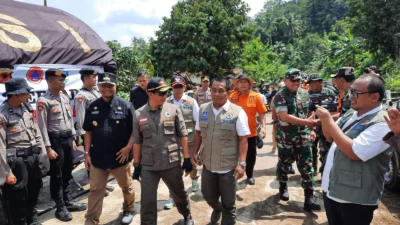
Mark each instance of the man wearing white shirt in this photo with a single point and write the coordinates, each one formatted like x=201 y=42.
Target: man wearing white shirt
x=220 y=144
x=353 y=178
x=190 y=112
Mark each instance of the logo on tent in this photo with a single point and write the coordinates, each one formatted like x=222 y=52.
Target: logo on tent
x=35 y=74
x=5 y=75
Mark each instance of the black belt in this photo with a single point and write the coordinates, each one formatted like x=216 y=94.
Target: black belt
x=22 y=152
x=61 y=134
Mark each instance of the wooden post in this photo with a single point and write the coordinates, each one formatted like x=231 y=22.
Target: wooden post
x=45 y=2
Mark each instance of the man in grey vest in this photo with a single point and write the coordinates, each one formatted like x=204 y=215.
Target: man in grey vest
x=158 y=133
x=190 y=112
x=353 y=177
x=221 y=145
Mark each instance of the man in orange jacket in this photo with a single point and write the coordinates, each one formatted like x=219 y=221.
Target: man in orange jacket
x=252 y=104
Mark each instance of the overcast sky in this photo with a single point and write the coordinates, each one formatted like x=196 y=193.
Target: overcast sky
x=123 y=19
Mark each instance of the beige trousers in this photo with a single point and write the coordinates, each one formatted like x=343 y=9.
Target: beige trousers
x=98 y=182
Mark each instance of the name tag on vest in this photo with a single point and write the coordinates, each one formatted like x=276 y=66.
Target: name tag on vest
x=95 y=112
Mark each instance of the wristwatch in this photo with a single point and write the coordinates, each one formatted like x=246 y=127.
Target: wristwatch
x=135 y=164
x=242 y=164
x=85 y=153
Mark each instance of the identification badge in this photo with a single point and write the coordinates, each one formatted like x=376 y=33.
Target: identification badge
x=95 y=112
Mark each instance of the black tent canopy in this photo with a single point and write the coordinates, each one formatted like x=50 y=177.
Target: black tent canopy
x=33 y=34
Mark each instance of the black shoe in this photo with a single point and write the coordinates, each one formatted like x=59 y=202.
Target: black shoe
x=283 y=191
x=62 y=212
x=127 y=218
x=34 y=220
x=215 y=217
x=110 y=188
x=106 y=193
x=309 y=202
x=291 y=170
x=75 y=207
x=189 y=221
x=251 y=181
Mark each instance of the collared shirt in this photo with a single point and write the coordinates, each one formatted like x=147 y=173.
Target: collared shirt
x=195 y=106
x=54 y=114
x=82 y=101
x=251 y=104
x=138 y=97
x=111 y=127
x=370 y=139
x=242 y=126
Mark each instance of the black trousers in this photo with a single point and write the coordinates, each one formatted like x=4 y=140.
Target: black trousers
x=251 y=156
x=61 y=169
x=215 y=186
x=348 y=213
x=21 y=199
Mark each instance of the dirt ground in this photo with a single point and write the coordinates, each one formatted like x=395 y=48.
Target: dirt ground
x=258 y=204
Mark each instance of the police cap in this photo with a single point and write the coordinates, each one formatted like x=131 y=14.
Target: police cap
x=177 y=80
x=53 y=72
x=88 y=71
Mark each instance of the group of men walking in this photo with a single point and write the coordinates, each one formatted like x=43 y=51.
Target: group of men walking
x=217 y=129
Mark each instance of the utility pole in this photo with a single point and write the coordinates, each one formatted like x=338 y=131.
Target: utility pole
x=45 y=2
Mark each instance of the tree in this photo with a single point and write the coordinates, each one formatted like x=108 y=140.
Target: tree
x=202 y=35
x=378 y=23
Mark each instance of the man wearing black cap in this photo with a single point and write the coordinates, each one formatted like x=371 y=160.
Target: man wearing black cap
x=203 y=95
x=293 y=137
x=138 y=96
x=82 y=101
x=190 y=113
x=158 y=133
x=315 y=88
x=108 y=148
x=57 y=127
x=344 y=78
x=23 y=154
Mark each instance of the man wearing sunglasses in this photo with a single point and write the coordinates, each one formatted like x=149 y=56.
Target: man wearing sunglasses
x=344 y=78
x=159 y=132
x=353 y=177
x=293 y=137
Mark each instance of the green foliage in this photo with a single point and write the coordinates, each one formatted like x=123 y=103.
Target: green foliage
x=202 y=35
x=130 y=60
x=261 y=62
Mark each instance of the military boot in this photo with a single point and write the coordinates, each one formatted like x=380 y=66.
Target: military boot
x=309 y=202
x=283 y=191
x=62 y=212
x=33 y=218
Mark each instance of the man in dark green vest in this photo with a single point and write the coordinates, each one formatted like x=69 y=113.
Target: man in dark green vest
x=353 y=177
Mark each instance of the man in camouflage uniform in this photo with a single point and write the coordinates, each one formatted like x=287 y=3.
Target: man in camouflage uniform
x=317 y=136
x=82 y=100
x=203 y=95
x=344 y=78
x=293 y=137
x=57 y=127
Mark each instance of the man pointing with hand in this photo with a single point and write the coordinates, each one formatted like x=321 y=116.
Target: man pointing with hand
x=221 y=144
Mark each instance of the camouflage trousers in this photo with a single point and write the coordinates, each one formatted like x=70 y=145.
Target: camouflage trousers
x=301 y=153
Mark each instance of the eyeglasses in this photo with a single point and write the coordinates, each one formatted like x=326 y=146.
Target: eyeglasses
x=161 y=93
x=356 y=93
x=178 y=86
